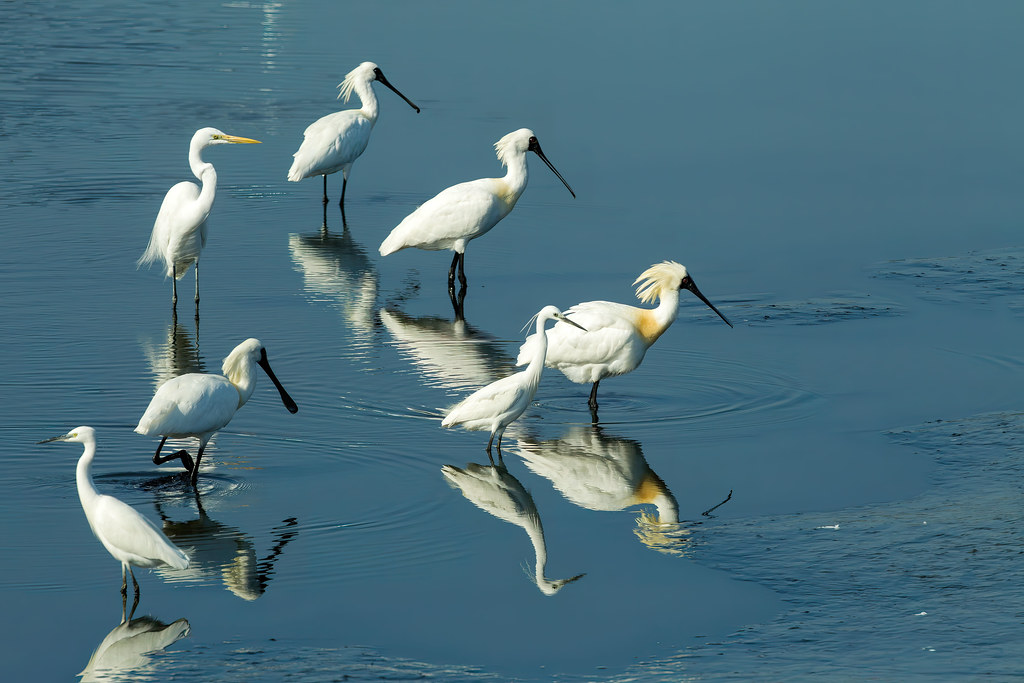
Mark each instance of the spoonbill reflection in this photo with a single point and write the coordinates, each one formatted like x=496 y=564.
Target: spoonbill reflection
x=226 y=553
x=617 y=336
x=198 y=405
x=131 y=538
x=494 y=490
x=179 y=233
x=468 y=210
x=124 y=650
x=333 y=143
x=500 y=403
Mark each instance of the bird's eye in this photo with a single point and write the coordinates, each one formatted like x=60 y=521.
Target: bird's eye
x=533 y=139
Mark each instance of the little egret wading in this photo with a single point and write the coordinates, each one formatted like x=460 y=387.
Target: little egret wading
x=617 y=335
x=500 y=403
x=468 y=210
x=333 y=143
x=179 y=233
x=198 y=405
x=127 y=535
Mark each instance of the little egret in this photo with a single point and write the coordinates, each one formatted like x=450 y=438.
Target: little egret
x=617 y=335
x=333 y=143
x=131 y=538
x=468 y=210
x=179 y=233
x=500 y=403
x=198 y=405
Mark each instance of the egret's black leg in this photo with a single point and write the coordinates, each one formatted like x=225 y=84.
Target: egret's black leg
x=325 y=190
x=135 y=603
x=341 y=202
x=197 y=287
x=135 y=585
x=451 y=272
x=174 y=286
x=593 y=396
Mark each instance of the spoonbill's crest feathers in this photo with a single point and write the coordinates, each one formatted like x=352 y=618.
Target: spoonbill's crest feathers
x=657 y=278
x=234 y=363
x=363 y=72
x=518 y=141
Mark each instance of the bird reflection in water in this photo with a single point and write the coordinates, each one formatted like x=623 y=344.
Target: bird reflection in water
x=123 y=653
x=492 y=489
x=226 y=552
x=597 y=471
x=450 y=354
x=177 y=354
x=335 y=268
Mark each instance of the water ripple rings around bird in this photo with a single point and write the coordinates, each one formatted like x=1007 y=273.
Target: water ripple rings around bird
x=719 y=394
x=760 y=310
x=975 y=276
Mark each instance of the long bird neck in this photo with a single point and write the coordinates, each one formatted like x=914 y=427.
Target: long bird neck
x=207 y=175
x=536 y=365
x=244 y=379
x=540 y=549
x=515 y=178
x=654 y=321
x=83 y=474
x=368 y=100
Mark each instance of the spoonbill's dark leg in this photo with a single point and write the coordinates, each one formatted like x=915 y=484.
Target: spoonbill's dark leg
x=325 y=189
x=462 y=269
x=344 y=184
x=593 y=396
x=593 y=417
x=182 y=455
x=195 y=468
x=451 y=273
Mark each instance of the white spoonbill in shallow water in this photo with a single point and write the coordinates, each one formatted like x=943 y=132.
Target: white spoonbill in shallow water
x=198 y=404
x=332 y=143
x=127 y=535
x=617 y=336
x=179 y=233
x=500 y=403
x=468 y=210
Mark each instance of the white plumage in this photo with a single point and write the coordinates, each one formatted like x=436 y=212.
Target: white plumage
x=129 y=537
x=198 y=404
x=333 y=143
x=468 y=210
x=617 y=336
x=500 y=403
x=179 y=233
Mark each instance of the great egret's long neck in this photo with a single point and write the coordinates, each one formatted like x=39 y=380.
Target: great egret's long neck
x=368 y=99
x=204 y=171
x=83 y=474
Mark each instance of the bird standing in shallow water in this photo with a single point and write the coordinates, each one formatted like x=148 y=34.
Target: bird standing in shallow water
x=198 y=405
x=179 y=233
x=468 y=210
x=333 y=143
x=131 y=538
x=617 y=336
x=500 y=403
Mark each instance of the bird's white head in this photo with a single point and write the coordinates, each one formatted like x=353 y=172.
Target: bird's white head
x=551 y=313
x=204 y=137
x=249 y=351
x=76 y=435
x=364 y=73
x=664 y=276
x=515 y=143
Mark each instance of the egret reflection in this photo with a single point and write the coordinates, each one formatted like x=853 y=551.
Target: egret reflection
x=597 y=471
x=335 y=268
x=492 y=489
x=126 y=649
x=177 y=354
x=450 y=354
x=225 y=553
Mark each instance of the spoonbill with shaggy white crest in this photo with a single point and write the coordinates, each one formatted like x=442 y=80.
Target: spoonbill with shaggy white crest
x=127 y=535
x=179 y=233
x=199 y=404
x=333 y=143
x=500 y=403
x=617 y=336
x=468 y=210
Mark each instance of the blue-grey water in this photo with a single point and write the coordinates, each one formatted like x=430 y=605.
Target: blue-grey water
x=844 y=182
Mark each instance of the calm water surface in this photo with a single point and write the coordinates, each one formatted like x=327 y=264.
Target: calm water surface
x=842 y=180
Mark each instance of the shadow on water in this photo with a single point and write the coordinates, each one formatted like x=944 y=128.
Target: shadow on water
x=492 y=489
x=124 y=653
x=219 y=551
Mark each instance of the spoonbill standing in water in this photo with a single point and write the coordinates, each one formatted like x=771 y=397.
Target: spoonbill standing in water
x=127 y=535
x=198 y=404
x=500 y=403
x=617 y=336
x=333 y=143
x=179 y=233
x=468 y=210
